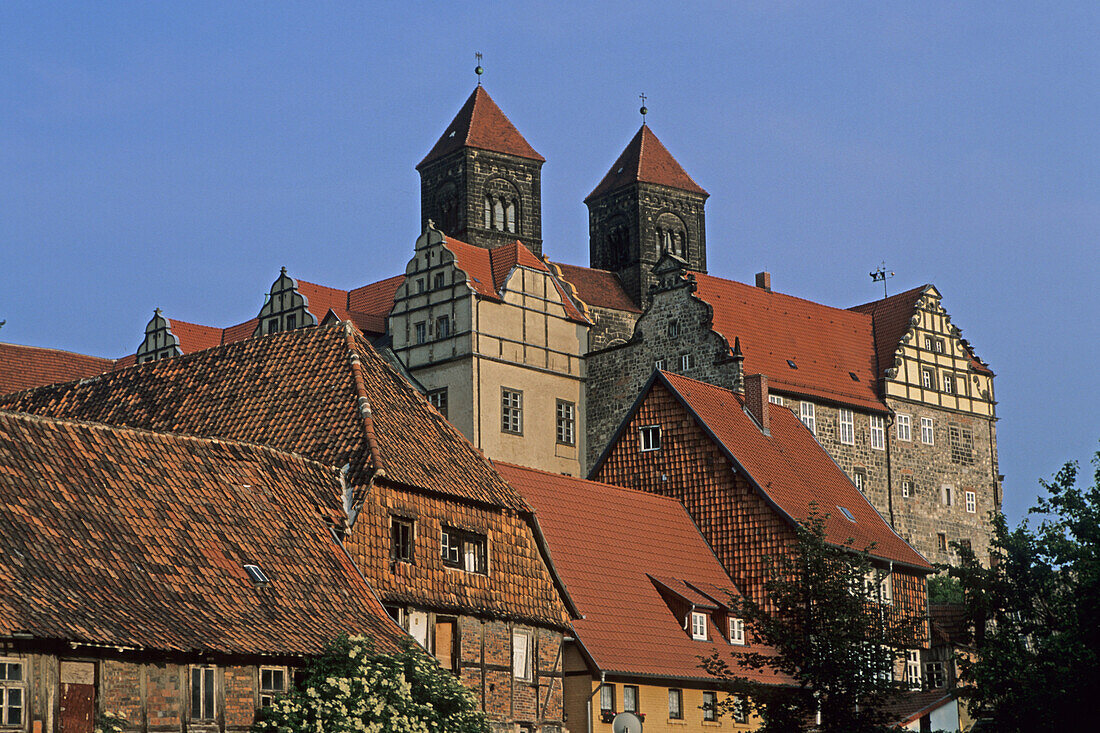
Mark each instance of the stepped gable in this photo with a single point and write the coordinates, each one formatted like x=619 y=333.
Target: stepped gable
x=645 y=160
x=614 y=548
x=481 y=124
x=832 y=349
x=791 y=469
x=599 y=288
x=298 y=391
x=25 y=367
x=122 y=537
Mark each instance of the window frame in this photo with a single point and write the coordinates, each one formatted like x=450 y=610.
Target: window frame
x=687 y=361
x=9 y=686
x=698 y=626
x=913 y=678
x=457 y=542
x=204 y=672
x=935 y=672
x=810 y=415
x=511 y=411
x=660 y=365
x=565 y=422
x=268 y=695
x=527 y=673
x=710 y=706
x=607 y=698
x=927 y=431
x=653 y=443
x=677 y=694
x=402 y=549
x=420 y=333
x=673 y=328
x=737 y=631
x=739 y=710
x=878 y=432
x=906 y=488
x=927 y=378
x=971 y=499
x=775 y=399
x=948 y=383
x=627 y=707
x=947 y=495
x=906 y=421
x=437 y=398
x=439 y=281
x=846 y=426
x=442 y=327
x=859 y=478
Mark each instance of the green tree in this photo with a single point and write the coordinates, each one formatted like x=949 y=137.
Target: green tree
x=351 y=687
x=1035 y=613
x=833 y=637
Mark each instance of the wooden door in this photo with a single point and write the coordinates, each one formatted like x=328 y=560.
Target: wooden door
x=77 y=697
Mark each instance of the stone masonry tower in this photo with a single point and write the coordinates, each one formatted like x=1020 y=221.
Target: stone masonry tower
x=645 y=206
x=481 y=183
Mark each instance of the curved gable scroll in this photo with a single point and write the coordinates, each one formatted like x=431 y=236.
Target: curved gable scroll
x=285 y=309
x=160 y=342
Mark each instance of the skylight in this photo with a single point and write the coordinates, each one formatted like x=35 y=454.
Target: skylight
x=853 y=376
x=256 y=575
x=791 y=364
x=847 y=514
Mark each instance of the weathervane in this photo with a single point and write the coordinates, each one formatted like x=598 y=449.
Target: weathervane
x=644 y=110
x=478 y=69
x=881 y=275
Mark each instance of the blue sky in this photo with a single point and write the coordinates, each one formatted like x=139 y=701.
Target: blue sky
x=176 y=155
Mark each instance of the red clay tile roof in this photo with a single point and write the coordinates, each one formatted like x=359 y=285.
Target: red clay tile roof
x=909 y=707
x=193 y=336
x=791 y=469
x=827 y=345
x=240 y=332
x=645 y=160
x=609 y=544
x=594 y=287
x=24 y=367
x=480 y=124
x=294 y=391
x=320 y=299
x=375 y=299
x=124 y=537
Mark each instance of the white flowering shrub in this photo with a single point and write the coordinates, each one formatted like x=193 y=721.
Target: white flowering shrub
x=110 y=722
x=351 y=688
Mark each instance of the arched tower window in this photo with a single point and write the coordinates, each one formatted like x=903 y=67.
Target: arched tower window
x=672 y=236
x=510 y=216
x=498 y=215
x=487 y=218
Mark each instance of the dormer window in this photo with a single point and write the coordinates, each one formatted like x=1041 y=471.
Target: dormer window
x=649 y=438
x=737 y=631
x=698 y=626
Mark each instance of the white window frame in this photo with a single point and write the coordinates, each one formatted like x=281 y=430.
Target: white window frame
x=511 y=411
x=698 y=626
x=927 y=378
x=630 y=706
x=906 y=488
x=948 y=383
x=878 y=432
x=971 y=502
x=807 y=414
x=686 y=362
x=737 y=631
x=649 y=438
x=607 y=698
x=10 y=688
x=438 y=400
x=522 y=654
x=927 y=431
x=269 y=693
x=846 y=431
x=912 y=669
x=905 y=427
x=420 y=332
x=204 y=672
x=859 y=478
x=660 y=365
x=775 y=399
x=565 y=422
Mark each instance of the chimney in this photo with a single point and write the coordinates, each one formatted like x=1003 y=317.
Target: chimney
x=764 y=280
x=738 y=367
x=756 y=400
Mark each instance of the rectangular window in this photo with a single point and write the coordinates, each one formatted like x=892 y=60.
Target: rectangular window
x=740 y=710
x=446 y=643
x=927 y=378
x=775 y=399
x=806 y=413
x=630 y=699
x=847 y=428
x=710 y=706
x=906 y=488
x=607 y=698
x=698 y=626
x=566 y=423
x=649 y=438
x=928 y=342
x=941 y=542
x=737 y=631
x=443 y=327
x=419 y=285
x=948 y=495
x=202 y=693
x=673 y=329
x=272 y=684
x=291 y=322
x=465 y=550
x=859 y=478
x=659 y=365
x=421 y=332
x=521 y=655
x=939 y=346
x=927 y=435
x=878 y=432
x=936 y=677
x=912 y=669
x=12 y=692
x=971 y=502
x=675 y=704
x=905 y=431
x=686 y=362
x=948 y=383
x=440 y=280
x=438 y=398
x=273 y=326
x=511 y=411
x=401 y=539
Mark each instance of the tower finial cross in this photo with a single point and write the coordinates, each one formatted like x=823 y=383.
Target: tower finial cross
x=644 y=110
x=478 y=69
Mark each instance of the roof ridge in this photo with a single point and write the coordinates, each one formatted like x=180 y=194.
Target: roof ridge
x=581 y=479
x=895 y=296
x=696 y=273
x=363 y=401
x=59 y=351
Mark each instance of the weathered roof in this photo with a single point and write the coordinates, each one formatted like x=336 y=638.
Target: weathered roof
x=645 y=160
x=24 y=367
x=481 y=124
x=612 y=546
x=599 y=288
x=791 y=469
x=832 y=349
x=299 y=391
x=194 y=336
x=129 y=538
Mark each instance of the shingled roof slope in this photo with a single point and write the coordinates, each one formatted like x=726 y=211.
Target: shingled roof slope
x=195 y=336
x=827 y=345
x=481 y=124
x=25 y=367
x=599 y=288
x=791 y=469
x=296 y=391
x=609 y=545
x=375 y=299
x=645 y=160
x=122 y=537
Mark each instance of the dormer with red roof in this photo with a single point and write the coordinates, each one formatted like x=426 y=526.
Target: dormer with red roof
x=646 y=205
x=481 y=182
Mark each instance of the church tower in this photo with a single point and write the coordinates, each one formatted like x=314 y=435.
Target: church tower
x=481 y=183
x=645 y=206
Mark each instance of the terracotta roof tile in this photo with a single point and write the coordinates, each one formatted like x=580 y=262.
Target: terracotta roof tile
x=376 y=298
x=24 y=367
x=645 y=160
x=609 y=544
x=139 y=539
x=320 y=299
x=193 y=336
x=594 y=287
x=791 y=469
x=480 y=124
x=826 y=345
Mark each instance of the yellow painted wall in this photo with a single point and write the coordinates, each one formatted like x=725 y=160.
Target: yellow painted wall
x=653 y=702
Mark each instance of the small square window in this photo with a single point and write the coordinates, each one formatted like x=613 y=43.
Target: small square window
x=971 y=502
x=272 y=684
x=675 y=704
x=464 y=550
x=401 y=539
x=660 y=365
x=710 y=706
x=649 y=438
x=737 y=631
x=511 y=411
x=905 y=428
x=698 y=626
x=847 y=427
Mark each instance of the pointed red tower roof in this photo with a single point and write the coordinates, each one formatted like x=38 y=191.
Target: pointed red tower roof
x=646 y=160
x=480 y=124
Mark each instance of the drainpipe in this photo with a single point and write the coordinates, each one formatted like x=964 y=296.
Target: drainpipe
x=591 y=715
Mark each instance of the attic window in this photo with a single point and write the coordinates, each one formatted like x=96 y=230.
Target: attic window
x=791 y=364
x=847 y=514
x=256 y=575
x=853 y=376
x=698 y=626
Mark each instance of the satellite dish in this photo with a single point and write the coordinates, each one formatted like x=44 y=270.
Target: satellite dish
x=626 y=723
